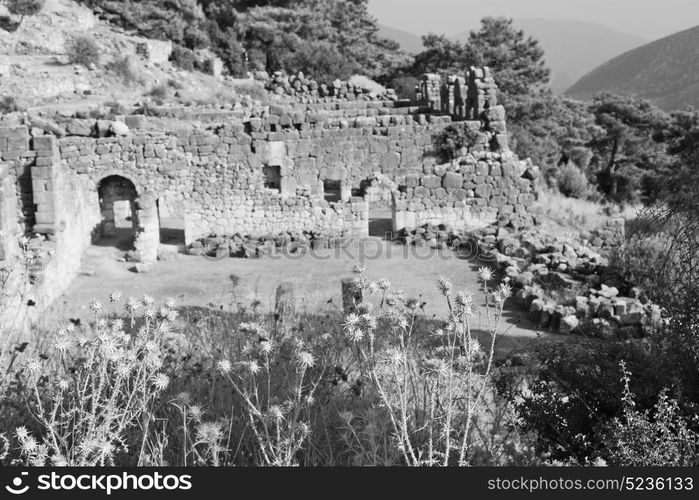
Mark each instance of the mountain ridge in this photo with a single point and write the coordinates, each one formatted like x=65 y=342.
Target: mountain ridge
x=573 y=48
x=665 y=71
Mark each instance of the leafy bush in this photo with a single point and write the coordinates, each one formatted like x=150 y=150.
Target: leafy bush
x=183 y=58
x=25 y=8
x=576 y=392
x=123 y=68
x=8 y=104
x=253 y=90
x=322 y=61
x=83 y=50
x=159 y=91
x=404 y=86
x=640 y=262
x=661 y=438
x=572 y=181
x=452 y=141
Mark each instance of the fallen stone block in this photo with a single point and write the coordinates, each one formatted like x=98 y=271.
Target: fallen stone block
x=140 y=268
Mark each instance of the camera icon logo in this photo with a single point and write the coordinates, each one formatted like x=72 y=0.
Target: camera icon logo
x=16 y=487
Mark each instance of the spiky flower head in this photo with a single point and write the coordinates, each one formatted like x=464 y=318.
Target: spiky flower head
x=209 y=432
x=444 y=286
x=223 y=366
x=305 y=359
x=357 y=269
x=253 y=367
x=275 y=413
x=95 y=306
x=486 y=274
x=161 y=381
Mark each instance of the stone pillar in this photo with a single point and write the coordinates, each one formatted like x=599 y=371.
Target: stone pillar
x=460 y=96
x=148 y=230
x=360 y=217
x=431 y=84
x=404 y=219
x=351 y=294
x=345 y=191
x=8 y=212
x=44 y=179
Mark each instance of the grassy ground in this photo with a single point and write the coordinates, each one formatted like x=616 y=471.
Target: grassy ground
x=565 y=214
x=231 y=284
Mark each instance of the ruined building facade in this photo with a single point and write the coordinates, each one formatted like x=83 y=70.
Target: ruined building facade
x=318 y=165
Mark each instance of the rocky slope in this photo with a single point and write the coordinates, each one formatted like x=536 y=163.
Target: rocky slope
x=665 y=71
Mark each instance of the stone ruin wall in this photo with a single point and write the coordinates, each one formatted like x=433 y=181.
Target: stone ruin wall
x=217 y=176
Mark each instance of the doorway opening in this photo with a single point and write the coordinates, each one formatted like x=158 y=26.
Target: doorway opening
x=119 y=219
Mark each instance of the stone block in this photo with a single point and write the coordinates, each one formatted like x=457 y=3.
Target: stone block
x=389 y=161
x=431 y=181
x=483 y=191
x=452 y=180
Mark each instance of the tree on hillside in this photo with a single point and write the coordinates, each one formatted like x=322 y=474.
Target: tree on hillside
x=275 y=34
x=180 y=21
x=25 y=8
x=627 y=146
x=440 y=55
x=552 y=130
x=517 y=60
x=340 y=31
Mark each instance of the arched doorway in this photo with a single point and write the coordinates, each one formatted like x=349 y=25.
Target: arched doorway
x=379 y=193
x=119 y=217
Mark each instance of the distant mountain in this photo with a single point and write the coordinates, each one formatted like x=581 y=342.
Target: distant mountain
x=572 y=48
x=409 y=42
x=666 y=72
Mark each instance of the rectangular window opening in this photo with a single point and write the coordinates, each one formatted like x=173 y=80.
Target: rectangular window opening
x=272 y=177
x=332 y=190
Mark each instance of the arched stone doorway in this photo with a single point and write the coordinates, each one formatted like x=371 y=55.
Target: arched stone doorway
x=119 y=215
x=379 y=194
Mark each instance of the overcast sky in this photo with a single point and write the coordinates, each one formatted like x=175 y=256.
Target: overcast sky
x=649 y=19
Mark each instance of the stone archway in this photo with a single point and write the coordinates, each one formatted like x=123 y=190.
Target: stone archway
x=380 y=194
x=119 y=215
x=129 y=219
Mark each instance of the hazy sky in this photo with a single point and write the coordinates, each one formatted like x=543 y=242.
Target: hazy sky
x=649 y=19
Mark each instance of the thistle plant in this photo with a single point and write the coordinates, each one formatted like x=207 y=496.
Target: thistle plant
x=202 y=441
x=103 y=384
x=276 y=380
x=432 y=386
x=16 y=284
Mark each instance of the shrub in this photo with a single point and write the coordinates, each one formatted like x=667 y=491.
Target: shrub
x=123 y=68
x=451 y=142
x=640 y=262
x=25 y=8
x=572 y=182
x=253 y=90
x=183 y=58
x=321 y=61
x=83 y=50
x=658 y=438
x=159 y=91
x=404 y=86
x=576 y=392
x=8 y=104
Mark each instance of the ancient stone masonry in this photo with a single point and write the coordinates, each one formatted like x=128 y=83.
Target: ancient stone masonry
x=302 y=166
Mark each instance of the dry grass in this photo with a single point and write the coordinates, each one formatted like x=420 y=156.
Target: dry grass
x=581 y=215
